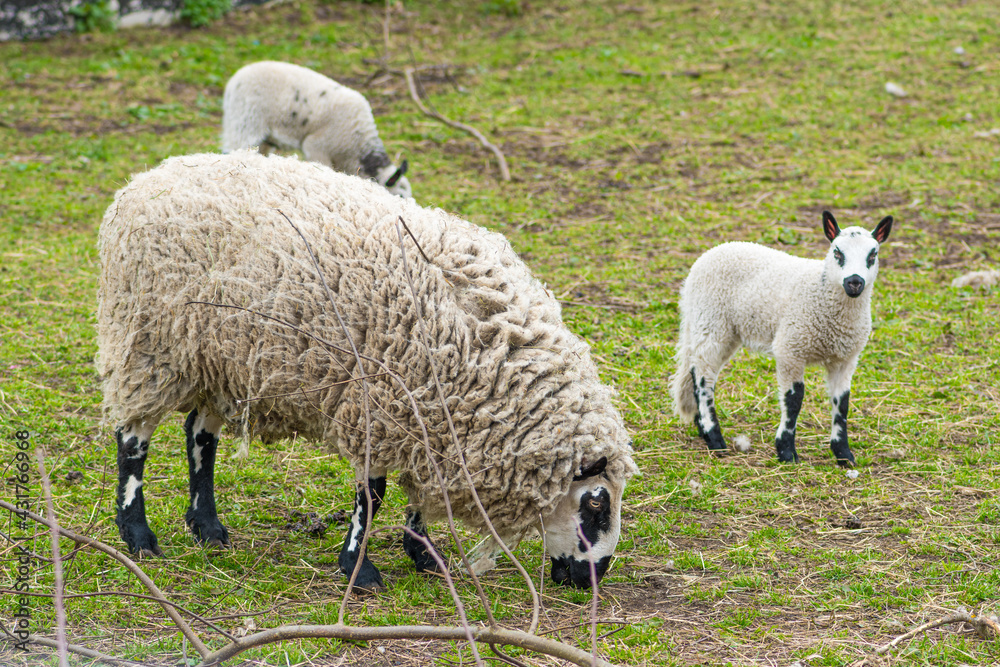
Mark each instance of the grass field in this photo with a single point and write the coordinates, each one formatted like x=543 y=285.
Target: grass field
x=638 y=136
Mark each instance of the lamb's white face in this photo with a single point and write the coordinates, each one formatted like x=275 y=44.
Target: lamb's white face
x=585 y=527
x=853 y=257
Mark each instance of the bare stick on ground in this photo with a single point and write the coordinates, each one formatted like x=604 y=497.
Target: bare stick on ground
x=985 y=627
x=412 y=85
x=57 y=569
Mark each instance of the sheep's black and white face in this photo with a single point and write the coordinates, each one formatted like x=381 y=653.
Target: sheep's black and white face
x=853 y=257
x=585 y=527
x=391 y=177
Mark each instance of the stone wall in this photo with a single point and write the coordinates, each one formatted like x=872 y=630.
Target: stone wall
x=38 y=19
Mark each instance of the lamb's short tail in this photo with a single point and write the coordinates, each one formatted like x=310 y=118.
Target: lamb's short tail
x=682 y=384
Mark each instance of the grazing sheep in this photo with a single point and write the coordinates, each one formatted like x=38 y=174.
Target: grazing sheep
x=537 y=428
x=280 y=105
x=800 y=311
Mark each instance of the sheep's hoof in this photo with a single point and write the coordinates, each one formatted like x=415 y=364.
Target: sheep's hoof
x=364 y=585
x=141 y=540
x=210 y=534
x=846 y=462
x=143 y=552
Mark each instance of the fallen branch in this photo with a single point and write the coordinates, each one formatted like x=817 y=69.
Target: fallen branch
x=985 y=627
x=501 y=636
x=501 y=160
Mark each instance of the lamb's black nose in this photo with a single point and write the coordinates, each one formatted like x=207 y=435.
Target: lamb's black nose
x=854 y=285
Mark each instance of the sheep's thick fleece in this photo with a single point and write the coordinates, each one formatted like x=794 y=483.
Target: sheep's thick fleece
x=523 y=392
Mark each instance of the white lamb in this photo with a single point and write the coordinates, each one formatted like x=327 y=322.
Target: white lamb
x=800 y=311
x=536 y=427
x=280 y=105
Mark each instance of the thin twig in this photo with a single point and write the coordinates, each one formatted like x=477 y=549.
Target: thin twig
x=504 y=171
x=535 y=601
x=366 y=407
x=132 y=567
x=57 y=569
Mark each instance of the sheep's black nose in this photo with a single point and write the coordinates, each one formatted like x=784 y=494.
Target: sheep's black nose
x=854 y=285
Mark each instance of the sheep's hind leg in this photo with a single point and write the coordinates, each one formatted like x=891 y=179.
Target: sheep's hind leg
x=705 y=418
x=839 y=387
x=369 y=578
x=415 y=548
x=202 y=518
x=133 y=446
x=791 y=390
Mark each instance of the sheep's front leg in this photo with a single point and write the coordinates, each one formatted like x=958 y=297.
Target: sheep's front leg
x=369 y=578
x=133 y=446
x=705 y=418
x=791 y=390
x=415 y=548
x=203 y=431
x=838 y=383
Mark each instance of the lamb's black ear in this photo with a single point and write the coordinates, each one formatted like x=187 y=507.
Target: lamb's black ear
x=595 y=468
x=397 y=174
x=830 y=226
x=882 y=229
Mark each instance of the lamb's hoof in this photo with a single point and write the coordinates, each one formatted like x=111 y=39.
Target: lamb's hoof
x=143 y=552
x=788 y=457
x=846 y=462
x=430 y=567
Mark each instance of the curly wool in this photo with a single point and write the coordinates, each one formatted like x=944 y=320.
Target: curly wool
x=523 y=392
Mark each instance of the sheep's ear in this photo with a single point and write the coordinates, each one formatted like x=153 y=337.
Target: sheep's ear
x=595 y=468
x=882 y=230
x=830 y=226
x=397 y=174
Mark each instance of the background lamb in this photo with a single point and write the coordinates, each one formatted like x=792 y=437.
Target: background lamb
x=273 y=104
x=800 y=311
x=537 y=427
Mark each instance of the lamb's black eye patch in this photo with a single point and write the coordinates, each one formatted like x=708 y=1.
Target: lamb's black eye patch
x=595 y=516
x=872 y=256
x=839 y=256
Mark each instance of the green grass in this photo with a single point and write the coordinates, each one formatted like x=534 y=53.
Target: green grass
x=638 y=136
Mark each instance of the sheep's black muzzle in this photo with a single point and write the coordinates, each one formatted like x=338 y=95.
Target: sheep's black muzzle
x=854 y=285
x=570 y=571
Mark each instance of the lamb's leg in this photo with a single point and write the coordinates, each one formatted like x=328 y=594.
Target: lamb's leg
x=791 y=390
x=369 y=578
x=413 y=547
x=705 y=418
x=133 y=446
x=838 y=383
x=202 y=431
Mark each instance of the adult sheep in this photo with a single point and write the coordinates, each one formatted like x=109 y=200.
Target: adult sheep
x=280 y=105
x=800 y=311
x=537 y=428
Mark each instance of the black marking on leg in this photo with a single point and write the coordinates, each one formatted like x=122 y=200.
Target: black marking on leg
x=785 y=442
x=713 y=436
x=131 y=515
x=369 y=579
x=202 y=517
x=416 y=549
x=841 y=450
